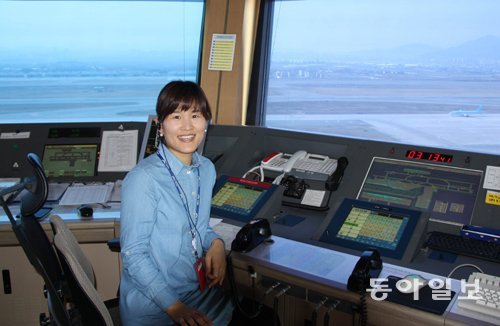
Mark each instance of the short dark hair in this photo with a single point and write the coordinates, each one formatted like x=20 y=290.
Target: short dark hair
x=183 y=95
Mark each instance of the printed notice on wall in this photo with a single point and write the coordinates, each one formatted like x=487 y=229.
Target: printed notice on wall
x=222 y=52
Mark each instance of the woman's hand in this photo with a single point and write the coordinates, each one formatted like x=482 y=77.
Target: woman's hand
x=215 y=263
x=184 y=315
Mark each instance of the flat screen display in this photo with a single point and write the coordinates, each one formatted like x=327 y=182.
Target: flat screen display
x=70 y=160
x=151 y=139
x=363 y=225
x=447 y=193
x=238 y=198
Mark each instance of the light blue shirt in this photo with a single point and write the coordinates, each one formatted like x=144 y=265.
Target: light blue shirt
x=155 y=238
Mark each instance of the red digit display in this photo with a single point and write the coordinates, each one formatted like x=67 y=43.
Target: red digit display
x=427 y=156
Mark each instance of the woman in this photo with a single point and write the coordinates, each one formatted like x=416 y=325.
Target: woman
x=166 y=240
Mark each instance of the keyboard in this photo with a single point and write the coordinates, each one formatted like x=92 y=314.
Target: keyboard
x=463 y=246
x=487 y=298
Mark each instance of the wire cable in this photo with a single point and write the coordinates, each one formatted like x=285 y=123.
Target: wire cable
x=234 y=291
x=333 y=306
x=276 y=302
x=363 y=318
x=463 y=265
x=252 y=170
x=314 y=316
x=326 y=319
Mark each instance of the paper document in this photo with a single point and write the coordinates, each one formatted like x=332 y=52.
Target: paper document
x=226 y=231
x=56 y=190
x=313 y=197
x=116 y=195
x=118 y=151
x=86 y=194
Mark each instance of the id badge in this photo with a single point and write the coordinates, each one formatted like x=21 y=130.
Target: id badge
x=200 y=272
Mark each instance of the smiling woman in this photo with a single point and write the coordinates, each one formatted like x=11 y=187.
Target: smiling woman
x=93 y=60
x=183 y=121
x=173 y=261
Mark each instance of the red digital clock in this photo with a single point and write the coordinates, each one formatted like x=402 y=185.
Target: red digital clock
x=426 y=156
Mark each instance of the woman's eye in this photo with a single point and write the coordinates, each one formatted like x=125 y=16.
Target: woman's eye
x=196 y=115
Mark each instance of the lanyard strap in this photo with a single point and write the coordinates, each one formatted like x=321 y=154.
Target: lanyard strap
x=184 y=200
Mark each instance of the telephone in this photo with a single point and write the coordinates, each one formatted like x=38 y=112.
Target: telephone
x=294 y=187
x=251 y=235
x=368 y=266
x=281 y=162
x=300 y=160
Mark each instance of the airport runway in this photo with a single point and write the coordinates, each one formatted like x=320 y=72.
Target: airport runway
x=434 y=130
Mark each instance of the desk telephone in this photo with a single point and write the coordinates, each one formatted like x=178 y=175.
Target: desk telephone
x=300 y=160
x=304 y=166
x=251 y=235
x=368 y=266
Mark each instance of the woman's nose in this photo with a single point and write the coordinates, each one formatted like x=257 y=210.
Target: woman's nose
x=187 y=123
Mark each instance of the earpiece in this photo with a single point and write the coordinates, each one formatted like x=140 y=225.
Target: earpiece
x=159 y=129
x=205 y=130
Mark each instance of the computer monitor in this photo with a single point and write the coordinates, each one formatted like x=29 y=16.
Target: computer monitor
x=151 y=139
x=240 y=199
x=363 y=225
x=70 y=160
x=447 y=193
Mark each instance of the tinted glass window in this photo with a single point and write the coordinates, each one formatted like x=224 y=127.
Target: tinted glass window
x=424 y=72
x=93 y=60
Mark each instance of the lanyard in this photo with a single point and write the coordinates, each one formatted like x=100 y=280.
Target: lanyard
x=183 y=197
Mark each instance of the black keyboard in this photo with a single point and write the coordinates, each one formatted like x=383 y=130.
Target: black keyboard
x=463 y=246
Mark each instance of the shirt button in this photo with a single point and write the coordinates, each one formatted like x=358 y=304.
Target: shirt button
x=188 y=172
x=193 y=193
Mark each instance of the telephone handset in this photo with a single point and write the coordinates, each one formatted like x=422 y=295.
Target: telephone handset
x=251 y=235
x=368 y=266
x=333 y=181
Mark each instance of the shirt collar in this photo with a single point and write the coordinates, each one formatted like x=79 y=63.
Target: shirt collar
x=175 y=164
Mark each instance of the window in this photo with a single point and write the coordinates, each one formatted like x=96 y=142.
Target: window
x=421 y=72
x=94 y=60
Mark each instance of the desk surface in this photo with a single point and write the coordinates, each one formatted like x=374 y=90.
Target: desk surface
x=311 y=266
x=320 y=268
x=101 y=228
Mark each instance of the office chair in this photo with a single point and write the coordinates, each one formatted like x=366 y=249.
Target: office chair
x=36 y=245
x=81 y=279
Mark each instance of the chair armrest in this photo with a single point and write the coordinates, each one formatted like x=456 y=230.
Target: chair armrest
x=114 y=245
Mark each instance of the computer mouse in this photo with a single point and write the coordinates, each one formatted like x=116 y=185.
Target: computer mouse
x=411 y=283
x=85 y=211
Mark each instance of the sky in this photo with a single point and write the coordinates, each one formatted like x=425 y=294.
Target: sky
x=356 y=25
x=100 y=26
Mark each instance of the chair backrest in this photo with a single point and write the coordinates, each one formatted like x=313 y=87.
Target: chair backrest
x=37 y=187
x=80 y=276
x=37 y=246
x=42 y=256
x=59 y=227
